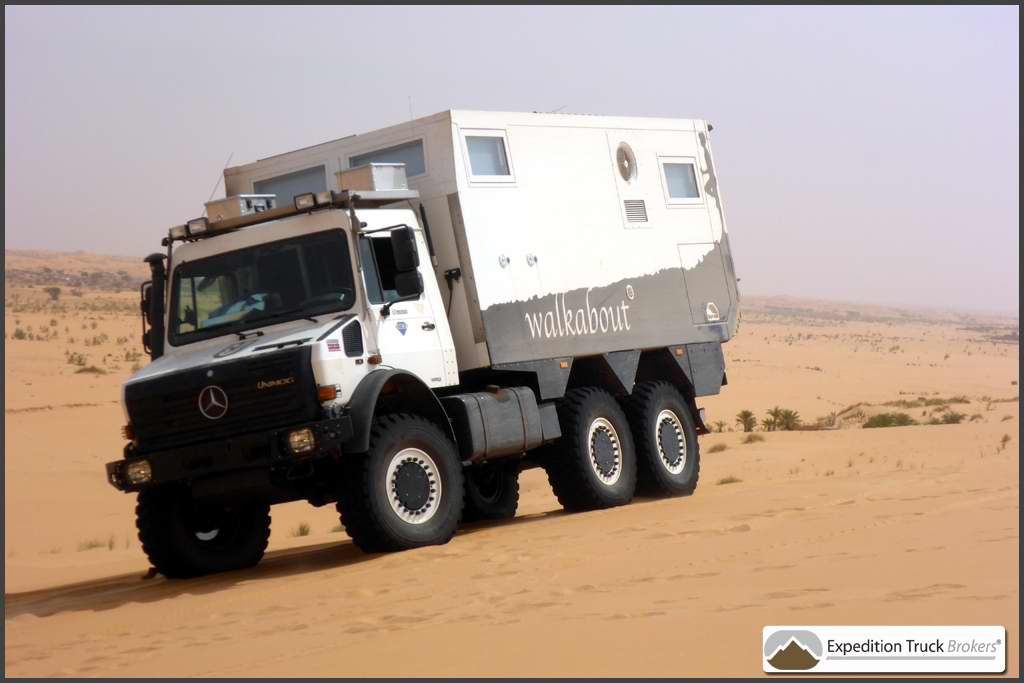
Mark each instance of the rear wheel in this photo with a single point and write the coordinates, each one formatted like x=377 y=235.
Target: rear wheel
x=492 y=491
x=668 y=455
x=593 y=465
x=184 y=538
x=406 y=491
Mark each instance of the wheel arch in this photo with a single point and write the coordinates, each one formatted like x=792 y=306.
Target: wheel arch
x=390 y=391
x=670 y=364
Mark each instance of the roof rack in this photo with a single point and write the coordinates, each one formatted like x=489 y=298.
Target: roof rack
x=202 y=228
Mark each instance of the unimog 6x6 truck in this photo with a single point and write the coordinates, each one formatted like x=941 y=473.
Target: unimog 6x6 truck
x=400 y=322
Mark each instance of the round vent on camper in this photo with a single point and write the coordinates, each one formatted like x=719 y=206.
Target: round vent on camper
x=626 y=161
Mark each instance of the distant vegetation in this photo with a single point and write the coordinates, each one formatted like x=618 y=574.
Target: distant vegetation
x=781 y=419
x=889 y=420
x=717 y=448
x=746 y=420
x=752 y=438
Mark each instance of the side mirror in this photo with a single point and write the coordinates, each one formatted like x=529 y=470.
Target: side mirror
x=145 y=303
x=408 y=284
x=403 y=244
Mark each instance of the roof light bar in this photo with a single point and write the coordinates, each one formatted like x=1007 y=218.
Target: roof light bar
x=197 y=226
x=303 y=203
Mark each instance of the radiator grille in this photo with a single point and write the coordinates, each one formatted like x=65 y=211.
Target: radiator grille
x=636 y=210
x=352 y=337
x=165 y=411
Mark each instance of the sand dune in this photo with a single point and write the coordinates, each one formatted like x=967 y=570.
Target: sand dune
x=902 y=525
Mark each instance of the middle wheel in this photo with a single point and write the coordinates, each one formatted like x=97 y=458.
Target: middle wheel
x=594 y=464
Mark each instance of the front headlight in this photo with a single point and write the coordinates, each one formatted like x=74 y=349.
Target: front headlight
x=138 y=472
x=301 y=441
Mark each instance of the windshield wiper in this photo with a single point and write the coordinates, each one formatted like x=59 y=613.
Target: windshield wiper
x=271 y=316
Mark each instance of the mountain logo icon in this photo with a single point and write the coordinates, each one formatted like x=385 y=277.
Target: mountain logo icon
x=793 y=650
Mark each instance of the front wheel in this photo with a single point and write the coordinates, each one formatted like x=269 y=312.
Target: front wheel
x=406 y=491
x=183 y=537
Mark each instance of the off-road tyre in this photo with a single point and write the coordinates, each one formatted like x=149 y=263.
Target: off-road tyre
x=667 y=450
x=389 y=498
x=183 y=538
x=492 y=491
x=593 y=465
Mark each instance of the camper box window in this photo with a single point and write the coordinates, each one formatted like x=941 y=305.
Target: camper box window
x=290 y=184
x=487 y=154
x=408 y=153
x=680 y=178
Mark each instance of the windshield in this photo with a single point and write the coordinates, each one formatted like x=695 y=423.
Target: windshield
x=265 y=284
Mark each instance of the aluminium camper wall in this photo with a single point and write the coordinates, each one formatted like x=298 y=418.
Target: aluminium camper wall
x=576 y=235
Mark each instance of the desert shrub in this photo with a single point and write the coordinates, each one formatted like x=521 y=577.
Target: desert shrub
x=20 y=333
x=752 y=438
x=889 y=420
x=717 y=448
x=53 y=292
x=91 y=369
x=302 y=529
x=950 y=417
x=75 y=358
x=829 y=421
x=729 y=480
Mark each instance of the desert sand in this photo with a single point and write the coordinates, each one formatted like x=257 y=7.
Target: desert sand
x=842 y=525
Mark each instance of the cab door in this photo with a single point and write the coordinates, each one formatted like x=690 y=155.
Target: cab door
x=409 y=335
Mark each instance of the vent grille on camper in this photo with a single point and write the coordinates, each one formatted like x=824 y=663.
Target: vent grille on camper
x=352 y=337
x=636 y=210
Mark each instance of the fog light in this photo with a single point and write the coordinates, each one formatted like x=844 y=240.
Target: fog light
x=301 y=440
x=326 y=393
x=138 y=472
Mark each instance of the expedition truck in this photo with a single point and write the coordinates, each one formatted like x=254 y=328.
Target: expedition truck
x=400 y=322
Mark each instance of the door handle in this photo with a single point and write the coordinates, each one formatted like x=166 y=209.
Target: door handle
x=428 y=326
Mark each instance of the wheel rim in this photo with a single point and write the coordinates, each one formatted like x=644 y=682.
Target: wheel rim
x=488 y=482
x=413 y=485
x=212 y=525
x=668 y=434
x=605 y=451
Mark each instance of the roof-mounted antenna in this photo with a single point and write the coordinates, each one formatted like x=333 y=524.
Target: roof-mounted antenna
x=219 y=179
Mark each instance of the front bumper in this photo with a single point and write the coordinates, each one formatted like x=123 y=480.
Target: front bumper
x=266 y=450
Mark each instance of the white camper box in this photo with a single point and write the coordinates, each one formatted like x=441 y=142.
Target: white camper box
x=574 y=234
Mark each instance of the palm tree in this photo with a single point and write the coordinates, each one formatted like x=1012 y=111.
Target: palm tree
x=788 y=420
x=719 y=426
x=747 y=420
x=768 y=424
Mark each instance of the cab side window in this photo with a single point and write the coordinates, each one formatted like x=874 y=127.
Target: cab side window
x=379 y=270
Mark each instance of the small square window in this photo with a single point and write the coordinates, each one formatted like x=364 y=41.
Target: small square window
x=487 y=155
x=681 y=180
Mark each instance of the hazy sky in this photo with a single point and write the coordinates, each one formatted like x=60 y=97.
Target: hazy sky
x=868 y=154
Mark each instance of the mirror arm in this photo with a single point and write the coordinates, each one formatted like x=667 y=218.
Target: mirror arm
x=386 y=310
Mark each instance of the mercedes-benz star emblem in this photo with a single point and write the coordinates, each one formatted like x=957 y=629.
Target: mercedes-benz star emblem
x=213 y=402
